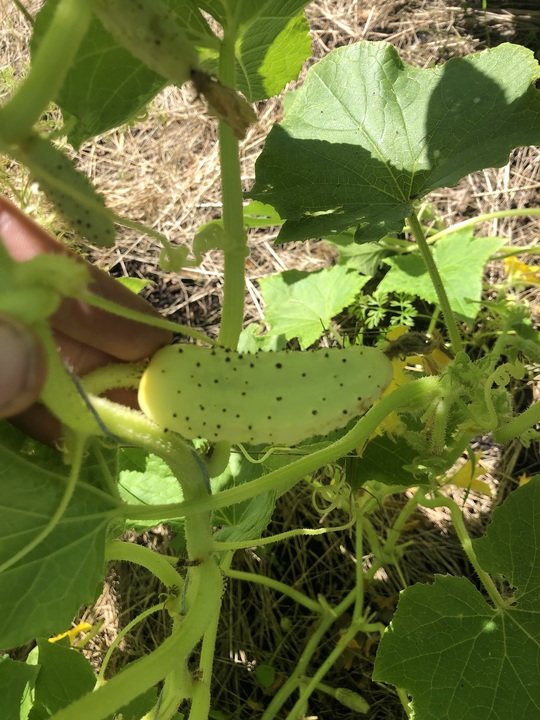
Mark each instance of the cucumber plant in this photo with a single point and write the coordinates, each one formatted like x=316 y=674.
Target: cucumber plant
x=266 y=397
x=69 y=190
x=365 y=138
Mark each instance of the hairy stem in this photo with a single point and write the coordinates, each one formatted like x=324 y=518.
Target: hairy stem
x=465 y=540
x=233 y=218
x=433 y=271
x=518 y=425
x=420 y=392
x=148 y=671
x=50 y=66
x=152 y=561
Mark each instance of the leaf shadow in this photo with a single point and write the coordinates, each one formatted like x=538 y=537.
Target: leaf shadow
x=323 y=186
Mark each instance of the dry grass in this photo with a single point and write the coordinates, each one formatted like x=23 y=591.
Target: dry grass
x=164 y=171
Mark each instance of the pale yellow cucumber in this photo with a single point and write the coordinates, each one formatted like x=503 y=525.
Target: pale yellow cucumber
x=279 y=398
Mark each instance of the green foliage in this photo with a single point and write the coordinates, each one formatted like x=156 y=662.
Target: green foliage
x=273 y=42
x=363 y=139
x=17 y=681
x=452 y=254
x=64 y=675
x=367 y=135
x=302 y=304
x=150 y=483
x=279 y=398
x=447 y=632
x=105 y=94
x=379 y=310
x=47 y=562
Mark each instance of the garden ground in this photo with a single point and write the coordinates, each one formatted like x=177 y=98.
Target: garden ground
x=163 y=171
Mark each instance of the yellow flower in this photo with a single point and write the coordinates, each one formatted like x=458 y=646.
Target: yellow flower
x=524 y=479
x=519 y=273
x=431 y=363
x=467 y=477
x=72 y=633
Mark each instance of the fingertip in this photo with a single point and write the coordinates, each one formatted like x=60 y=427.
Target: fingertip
x=23 y=366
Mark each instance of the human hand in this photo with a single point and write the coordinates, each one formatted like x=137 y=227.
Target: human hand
x=87 y=337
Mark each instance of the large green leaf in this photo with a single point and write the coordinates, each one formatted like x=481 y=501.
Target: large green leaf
x=65 y=676
x=107 y=86
x=17 y=681
x=457 y=655
x=41 y=592
x=147 y=481
x=367 y=134
x=272 y=43
x=302 y=304
x=272 y=50
x=510 y=547
x=460 y=259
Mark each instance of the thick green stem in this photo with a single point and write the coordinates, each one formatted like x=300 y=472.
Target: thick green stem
x=200 y=704
x=465 y=540
x=138 y=430
x=233 y=218
x=204 y=581
x=420 y=392
x=148 y=671
x=152 y=561
x=50 y=65
x=425 y=252
x=518 y=425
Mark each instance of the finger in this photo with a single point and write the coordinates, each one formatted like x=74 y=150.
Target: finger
x=118 y=337
x=121 y=338
x=39 y=423
x=23 y=366
x=79 y=357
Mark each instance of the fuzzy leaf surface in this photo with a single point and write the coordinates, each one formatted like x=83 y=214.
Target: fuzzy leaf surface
x=41 y=592
x=455 y=654
x=460 y=259
x=367 y=135
x=302 y=304
x=272 y=43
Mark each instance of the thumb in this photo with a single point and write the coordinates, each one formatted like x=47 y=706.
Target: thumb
x=23 y=366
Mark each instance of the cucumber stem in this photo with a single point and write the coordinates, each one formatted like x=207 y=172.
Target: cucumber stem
x=50 y=66
x=436 y=279
x=233 y=216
